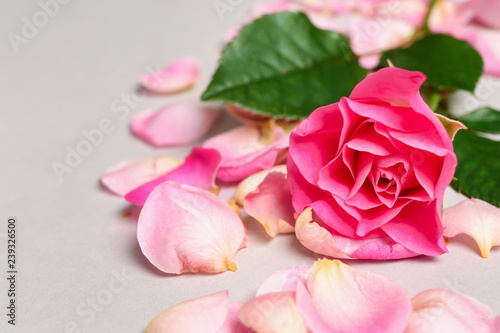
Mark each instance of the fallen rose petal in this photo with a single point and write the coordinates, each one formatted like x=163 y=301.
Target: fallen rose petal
x=319 y=240
x=272 y=192
x=476 y=218
x=273 y=312
x=232 y=324
x=179 y=75
x=246 y=150
x=251 y=183
x=174 y=124
x=203 y=314
x=283 y=280
x=443 y=310
x=127 y=175
x=337 y=298
x=198 y=170
x=186 y=229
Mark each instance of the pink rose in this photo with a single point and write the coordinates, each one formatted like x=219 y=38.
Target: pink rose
x=373 y=168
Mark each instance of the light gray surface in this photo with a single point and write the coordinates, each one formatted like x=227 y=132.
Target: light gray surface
x=73 y=240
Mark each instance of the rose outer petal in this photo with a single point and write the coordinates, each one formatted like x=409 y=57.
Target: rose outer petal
x=203 y=314
x=476 y=218
x=175 y=124
x=186 y=229
x=320 y=240
x=180 y=74
x=337 y=298
x=127 y=175
x=198 y=170
x=443 y=310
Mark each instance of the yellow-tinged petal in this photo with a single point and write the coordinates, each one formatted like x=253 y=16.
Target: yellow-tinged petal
x=452 y=126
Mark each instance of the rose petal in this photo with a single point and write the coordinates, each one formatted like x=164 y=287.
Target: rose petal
x=272 y=192
x=232 y=324
x=186 y=229
x=251 y=183
x=283 y=280
x=198 y=170
x=320 y=240
x=127 y=175
x=174 y=124
x=246 y=150
x=337 y=298
x=273 y=312
x=442 y=310
x=203 y=314
x=180 y=74
x=418 y=227
x=487 y=12
x=476 y=218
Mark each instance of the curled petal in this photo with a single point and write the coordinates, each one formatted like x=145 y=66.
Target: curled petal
x=246 y=150
x=443 y=310
x=180 y=74
x=283 y=280
x=320 y=240
x=174 y=124
x=476 y=218
x=198 y=170
x=452 y=126
x=203 y=314
x=337 y=298
x=186 y=229
x=127 y=175
x=251 y=183
x=273 y=312
x=271 y=204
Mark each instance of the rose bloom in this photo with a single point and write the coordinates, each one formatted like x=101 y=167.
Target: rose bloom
x=373 y=168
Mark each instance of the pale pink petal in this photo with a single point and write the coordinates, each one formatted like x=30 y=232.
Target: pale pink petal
x=476 y=218
x=174 y=124
x=232 y=324
x=251 y=183
x=271 y=204
x=127 y=175
x=283 y=280
x=272 y=313
x=337 y=298
x=186 y=229
x=246 y=150
x=320 y=240
x=203 y=314
x=180 y=74
x=443 y=310
x=198 y=170
x=487 y=12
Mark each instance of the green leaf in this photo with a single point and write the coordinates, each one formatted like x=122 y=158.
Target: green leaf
x=448 y=62
x=281 y=65
x=483 y=120
x=478 y=170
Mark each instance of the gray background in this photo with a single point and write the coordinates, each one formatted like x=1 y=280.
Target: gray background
x=73 y=240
